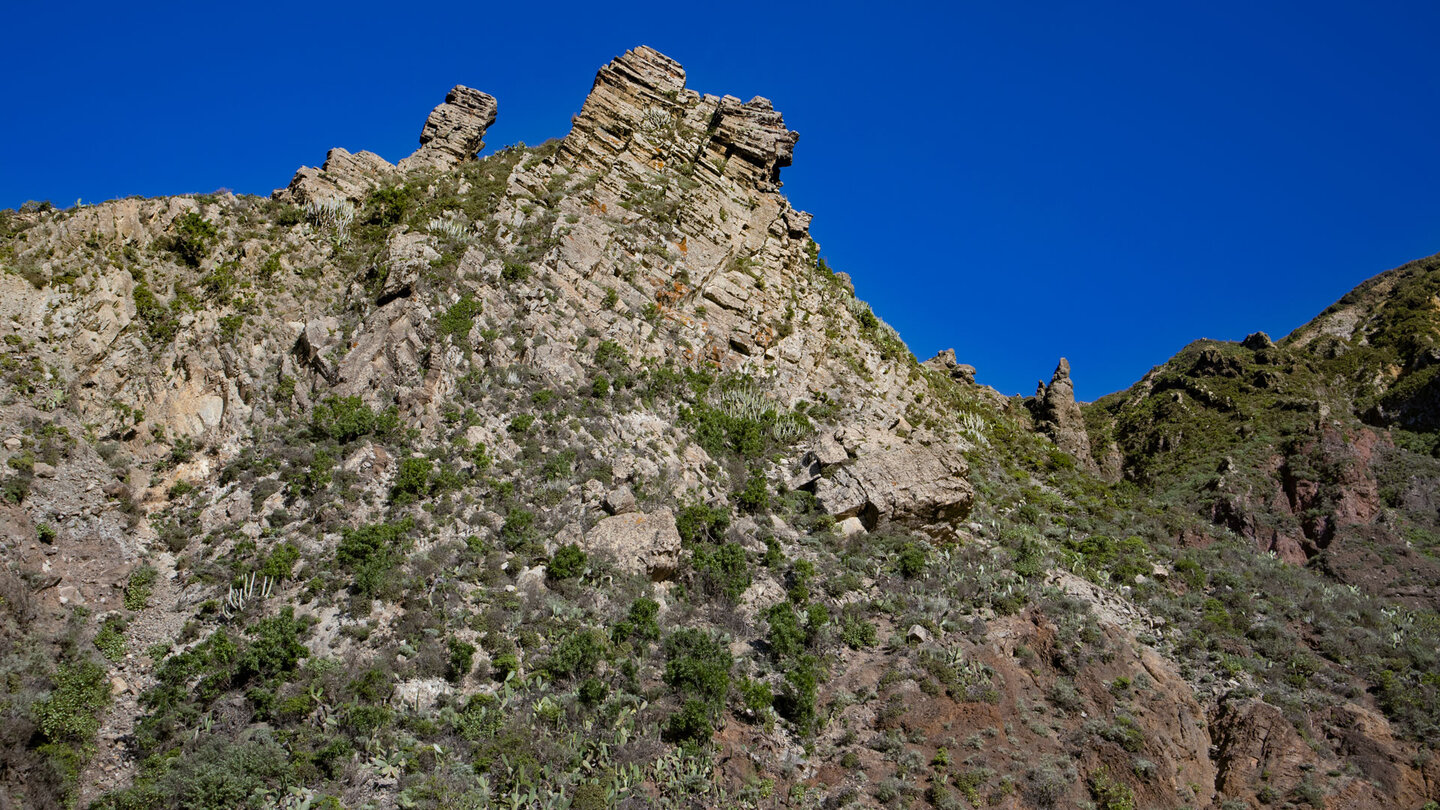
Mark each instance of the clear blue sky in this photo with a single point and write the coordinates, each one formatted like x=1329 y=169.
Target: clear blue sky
x=1019 y=181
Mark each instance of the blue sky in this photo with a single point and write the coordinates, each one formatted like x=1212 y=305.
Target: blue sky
x=1021 y=181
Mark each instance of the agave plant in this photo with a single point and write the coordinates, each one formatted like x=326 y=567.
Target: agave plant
x=333 y=216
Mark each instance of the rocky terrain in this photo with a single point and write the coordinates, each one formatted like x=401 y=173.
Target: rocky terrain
x=572 y=476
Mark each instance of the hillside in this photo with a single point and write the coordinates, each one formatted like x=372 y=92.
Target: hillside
x=574 y=477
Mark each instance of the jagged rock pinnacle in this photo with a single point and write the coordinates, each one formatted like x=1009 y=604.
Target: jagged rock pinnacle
x=642 y=94
x=455 y=130
x=1059 y=416
x=453 y=133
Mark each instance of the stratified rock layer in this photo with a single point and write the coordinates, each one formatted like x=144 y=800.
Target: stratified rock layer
x=453 y=133
x=455 y=130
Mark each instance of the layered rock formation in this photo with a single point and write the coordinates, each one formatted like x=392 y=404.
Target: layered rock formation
x=453 y=133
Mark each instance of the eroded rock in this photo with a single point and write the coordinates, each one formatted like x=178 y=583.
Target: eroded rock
x=638 y=543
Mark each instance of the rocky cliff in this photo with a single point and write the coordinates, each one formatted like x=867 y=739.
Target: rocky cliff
x=573 y=476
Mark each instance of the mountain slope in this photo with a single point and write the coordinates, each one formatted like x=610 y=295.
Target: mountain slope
x=573 y=476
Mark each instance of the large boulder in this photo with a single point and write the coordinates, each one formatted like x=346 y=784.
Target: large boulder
x=912 y=484
x=638 y=543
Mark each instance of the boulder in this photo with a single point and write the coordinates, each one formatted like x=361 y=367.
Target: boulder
x=619 y=501
x=912 y=484
x=407 y=255
x=452 y=134
x=755 y=133
x=638 y=543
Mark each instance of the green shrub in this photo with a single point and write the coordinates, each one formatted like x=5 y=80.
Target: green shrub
x=504 y=664
x=723 y=569
x=698 y=665
x=691 y=726
x=457 y=321
x=522 y=423
x=518 y=529
x=785 y=639
x=857 y=632
x=388 y=206
x=230 y=325
x=220 y=773
x=611 y=356
x=480 y=457
x=911 y=560
x=558 y=466
x=110 y=639
x=370 y=552
x=274 y=649
x=569 y=562
x=346 y=419
x=515 y=271
x=755 y=695
x=281 y=561
x=1110 y=793
x=755 y=497
x=160 y=323
x=593 y=692
x=698 y=522
x=796 y=701
x=461 y=660
x=194 y=236
x=138 y=588
x=640 y=622
x=412 y=480
x=71 y=714
x=576 y=654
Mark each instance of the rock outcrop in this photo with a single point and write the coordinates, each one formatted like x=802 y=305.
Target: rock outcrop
x=945 y=362
x=454 y=132
x=1058 y=415
x=342 y=176
x=638 y=543
x=912 y=484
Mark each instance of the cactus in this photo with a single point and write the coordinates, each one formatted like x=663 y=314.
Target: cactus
x=249 y=588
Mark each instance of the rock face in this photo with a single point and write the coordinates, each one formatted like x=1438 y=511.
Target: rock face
x=1057 y=414
x=638 y=543
x=916 y=485
x=1259 y=751
x=755 y=133
x=642 y=95
x=455 y=130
